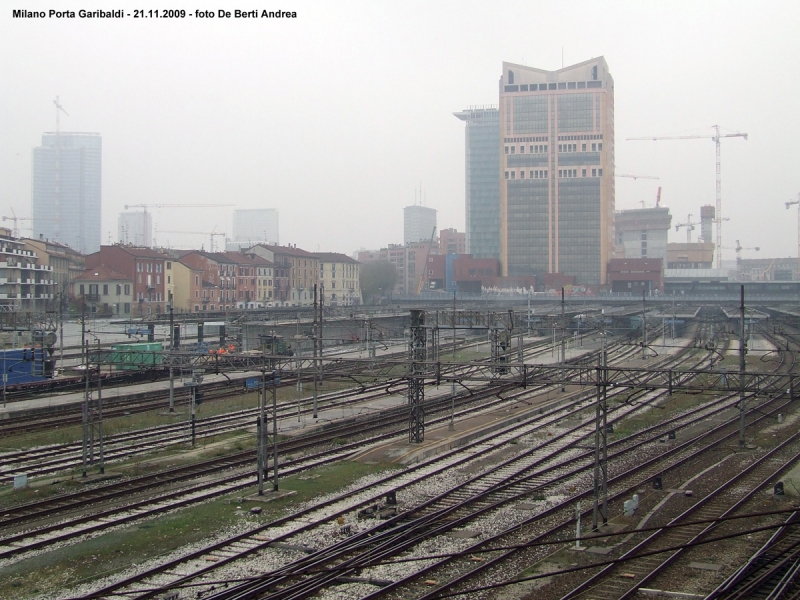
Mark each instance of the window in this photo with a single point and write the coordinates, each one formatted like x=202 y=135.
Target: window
x=506 y=174
x=119 y=290
x=531 y=150
x=594 y=172
x=158 y=268
x=127 y=289
x=149 y=267
x=169 y=278
x=169 y=266
x=522 y=174
x=138 y=267
x=531 y=174
x=583 y=173
x=513 y=149
x=599 y=172
x=600 y=146
x=594 y=147
x=522 y=149
x=513 y=174
x=197 y=280
x=583 y=147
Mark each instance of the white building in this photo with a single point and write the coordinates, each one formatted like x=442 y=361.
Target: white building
x=135 y=228
x=418 y=223
x=253 y=226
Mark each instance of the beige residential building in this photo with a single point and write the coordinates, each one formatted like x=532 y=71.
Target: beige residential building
x=67 y=263
x=104 y=291
x=339 y=275
x=186 y=286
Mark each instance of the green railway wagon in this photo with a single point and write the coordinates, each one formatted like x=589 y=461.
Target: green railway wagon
x=132 y=357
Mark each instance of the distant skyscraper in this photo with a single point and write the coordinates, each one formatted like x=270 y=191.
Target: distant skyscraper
x=482 y=188
x=557 y=192
x=66 y=190
x=253 y=226
x=418 y=223
x=135 y=228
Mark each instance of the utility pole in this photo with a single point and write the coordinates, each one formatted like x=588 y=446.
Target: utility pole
x=563 y=336
x=742 y=369
x=644 y=328
x=315 y=369
x=275 y=378
x=261 y=426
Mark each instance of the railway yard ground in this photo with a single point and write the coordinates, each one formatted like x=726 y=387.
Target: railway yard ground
x=634 y=465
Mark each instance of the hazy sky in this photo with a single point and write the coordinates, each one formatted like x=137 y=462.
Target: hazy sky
x=336 y=117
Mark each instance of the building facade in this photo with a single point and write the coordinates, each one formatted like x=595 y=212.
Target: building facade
x=253 y=226
x=482 y=181
x=135 y=228
x=339 y=275
x=418 y=224
x=557 y=162
x=147 y=268
x=24 y=283
x=642 y=233
x=67 y=190
x=104 y=291
x=452 y=241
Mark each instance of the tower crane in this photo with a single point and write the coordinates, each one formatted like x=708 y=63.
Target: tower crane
x=146 y=206
x=716 y=138
x=788 y=204
x=689 y=228
x=738 y=249
x=635 y=176
x=211 y=234
x=15 y=231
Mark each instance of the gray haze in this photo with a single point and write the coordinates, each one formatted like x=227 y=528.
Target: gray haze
x=336 y=117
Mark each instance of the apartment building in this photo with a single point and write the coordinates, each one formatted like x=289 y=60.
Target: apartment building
x=339 y=275
x=25 y=284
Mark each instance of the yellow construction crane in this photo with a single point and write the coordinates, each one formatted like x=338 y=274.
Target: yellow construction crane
x=716 y=138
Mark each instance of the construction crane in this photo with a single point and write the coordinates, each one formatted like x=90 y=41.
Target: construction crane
x=146 y=206
x=635 y=176
x=15 y=218
x=716 y=138
x=16 y=231
x=424 y=276
x=57 y=188
x=738 y=249
x=788 y=204
x=689 y=228
x=211 y=234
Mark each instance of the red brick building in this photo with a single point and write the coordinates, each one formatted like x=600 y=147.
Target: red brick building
x=636 y=275
x=145 y=267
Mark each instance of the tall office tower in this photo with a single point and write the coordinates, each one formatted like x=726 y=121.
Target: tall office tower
x=482 y=183
x=135 y=228
x=557 y=173
x=253 y=226
x=418 y=223
x=66 y=190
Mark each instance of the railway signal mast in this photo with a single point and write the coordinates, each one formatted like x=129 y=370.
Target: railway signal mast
x=716 y=138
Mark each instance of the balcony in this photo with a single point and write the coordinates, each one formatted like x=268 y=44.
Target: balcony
x=92 y=297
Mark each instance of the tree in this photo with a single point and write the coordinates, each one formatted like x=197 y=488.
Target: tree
x=377 y=278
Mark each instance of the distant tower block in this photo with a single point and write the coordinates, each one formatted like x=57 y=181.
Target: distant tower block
x=707 y=213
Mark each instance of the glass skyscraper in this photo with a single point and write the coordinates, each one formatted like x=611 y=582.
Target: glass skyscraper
x=66 y=190
x=482 y=186
x=557 y=171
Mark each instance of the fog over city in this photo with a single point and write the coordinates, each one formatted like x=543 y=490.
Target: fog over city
x=338 y=117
